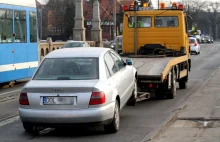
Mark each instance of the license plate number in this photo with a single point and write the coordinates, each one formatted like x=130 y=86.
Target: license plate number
x=58 y=100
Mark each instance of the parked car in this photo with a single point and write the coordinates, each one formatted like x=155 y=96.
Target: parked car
x=113 y=45
x=78 y=86
x=106 y=43
x=73 y=44
x=59 y=41
x=43 y=41
x=194 y=45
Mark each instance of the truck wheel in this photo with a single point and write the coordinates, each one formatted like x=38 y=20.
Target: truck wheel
x=132 y=100
x=172 y=92
x=160 y=92
x=113 y=127
x=182 y=84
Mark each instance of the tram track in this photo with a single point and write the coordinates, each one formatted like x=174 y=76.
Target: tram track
x=11 y=92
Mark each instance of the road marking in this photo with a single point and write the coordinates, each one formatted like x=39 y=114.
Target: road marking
x=8 y=121
x=10 y=92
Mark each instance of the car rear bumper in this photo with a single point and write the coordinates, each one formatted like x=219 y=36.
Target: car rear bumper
x=89 y=115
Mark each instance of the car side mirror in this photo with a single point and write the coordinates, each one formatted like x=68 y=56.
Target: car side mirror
x=129 y=62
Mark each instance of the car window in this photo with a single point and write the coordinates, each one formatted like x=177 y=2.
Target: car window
x=110 y=64
x=192 y=40
x=107 y=71
x=119 y=61
x=68 y=69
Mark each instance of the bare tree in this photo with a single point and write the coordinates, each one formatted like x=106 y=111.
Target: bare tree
x=214 y=17
x=56 y=11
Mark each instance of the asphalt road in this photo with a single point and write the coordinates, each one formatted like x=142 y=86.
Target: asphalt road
x=136 y=122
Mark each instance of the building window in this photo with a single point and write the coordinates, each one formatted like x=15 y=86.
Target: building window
x=33 y=27
x=6 y=27
x=20 y=26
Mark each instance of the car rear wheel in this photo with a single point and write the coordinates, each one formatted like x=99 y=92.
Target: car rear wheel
x=28 y=127
x=113 y=127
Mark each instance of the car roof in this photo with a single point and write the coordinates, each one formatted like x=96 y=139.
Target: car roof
x=78 y=52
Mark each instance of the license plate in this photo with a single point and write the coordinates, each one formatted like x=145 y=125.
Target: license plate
x=58 y=100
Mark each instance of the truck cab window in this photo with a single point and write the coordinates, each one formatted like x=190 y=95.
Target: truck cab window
x=142 y=22
x=166 y=21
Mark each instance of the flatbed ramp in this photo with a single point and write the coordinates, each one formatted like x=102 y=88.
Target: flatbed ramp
x=151 y=66
x=156 y=68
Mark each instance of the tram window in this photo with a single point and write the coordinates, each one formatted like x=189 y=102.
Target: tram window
x=20 y=26
x=33 y=27
x=6 y=27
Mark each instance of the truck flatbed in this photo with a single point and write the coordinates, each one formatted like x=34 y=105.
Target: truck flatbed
x=156 y=67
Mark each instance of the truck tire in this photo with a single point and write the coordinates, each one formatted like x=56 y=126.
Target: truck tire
x=132 y=100
x=172 y=92
x=160 y=93
x=182 y=84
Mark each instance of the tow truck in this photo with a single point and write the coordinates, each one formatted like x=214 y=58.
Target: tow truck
x=156 y=42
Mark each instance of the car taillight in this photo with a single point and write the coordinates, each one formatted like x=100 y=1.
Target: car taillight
x=23 y=100
x=97 y=98
x=195 y=44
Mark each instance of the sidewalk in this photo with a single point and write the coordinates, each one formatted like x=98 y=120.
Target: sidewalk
x=199 y=121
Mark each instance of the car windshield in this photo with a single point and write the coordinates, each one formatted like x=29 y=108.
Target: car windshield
x=73 y=44
x=192 y=40
x=68 y=69
x=119 y=40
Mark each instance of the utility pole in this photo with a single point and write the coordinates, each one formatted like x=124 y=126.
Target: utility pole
x=114 y=18
x=158 y=4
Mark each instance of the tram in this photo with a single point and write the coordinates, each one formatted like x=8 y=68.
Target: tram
x=18 y=39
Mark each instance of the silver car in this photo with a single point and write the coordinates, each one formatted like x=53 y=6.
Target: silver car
x=74 y=44
x=76 y=87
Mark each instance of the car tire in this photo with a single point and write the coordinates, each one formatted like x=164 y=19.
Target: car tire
x=28 y=127
x=113 y=127
x=172 y=92
x=132 y=100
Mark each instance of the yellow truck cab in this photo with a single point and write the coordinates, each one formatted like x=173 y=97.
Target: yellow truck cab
x=156 y=41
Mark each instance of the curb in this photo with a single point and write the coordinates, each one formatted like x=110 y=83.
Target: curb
x=174 y=116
